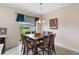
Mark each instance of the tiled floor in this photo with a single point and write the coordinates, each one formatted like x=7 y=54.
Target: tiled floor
x=59 y=51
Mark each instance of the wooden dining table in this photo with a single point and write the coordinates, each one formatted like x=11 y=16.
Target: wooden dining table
x=34 y=38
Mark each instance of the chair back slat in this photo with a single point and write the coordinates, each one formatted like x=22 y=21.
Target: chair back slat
x=46 y=41
x=52 y=38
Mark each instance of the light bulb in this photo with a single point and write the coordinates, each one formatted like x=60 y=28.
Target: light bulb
x=39 y=22
x=43 y=21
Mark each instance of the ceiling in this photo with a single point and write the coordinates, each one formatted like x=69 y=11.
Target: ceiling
x=35 y=7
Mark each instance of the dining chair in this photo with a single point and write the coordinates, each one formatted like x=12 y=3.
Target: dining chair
x=28 y=45
x=44 y=46
x=38 y=44
x=49 y=32
x=22 y=36
x=52 y=43
x=45 y=33
x=47 y=44
x=27 y=32
x=22 y=42
x=33 y=32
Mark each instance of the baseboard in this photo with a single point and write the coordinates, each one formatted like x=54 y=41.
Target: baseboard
x=67 y=48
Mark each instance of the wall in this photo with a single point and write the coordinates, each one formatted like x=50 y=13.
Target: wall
x=8 y=20
x=67 y=34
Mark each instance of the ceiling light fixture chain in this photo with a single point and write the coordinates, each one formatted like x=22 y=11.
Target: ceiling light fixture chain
x=41 y=8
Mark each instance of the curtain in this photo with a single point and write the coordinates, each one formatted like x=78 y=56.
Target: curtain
x=20 y=18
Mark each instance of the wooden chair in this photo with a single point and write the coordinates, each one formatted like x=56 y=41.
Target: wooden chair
x=28 y=45
x=45 y=33
x=49 y=33
x=45 y=45
x=22 y=35
x=27 y=33
x=22 y=42
x=52 y=40
x=33 y=32
x=39 y=42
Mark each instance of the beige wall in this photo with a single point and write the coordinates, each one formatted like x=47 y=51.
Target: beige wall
x=67 y=34
x=8 y=20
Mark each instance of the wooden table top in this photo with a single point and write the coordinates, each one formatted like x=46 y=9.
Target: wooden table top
x=32 y=36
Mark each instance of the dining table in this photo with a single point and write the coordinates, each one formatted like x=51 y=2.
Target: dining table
x=33 y=37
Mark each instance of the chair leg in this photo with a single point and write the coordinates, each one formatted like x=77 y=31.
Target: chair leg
x=32 y=50
x=22 y=48
x=27 y=52
x=35 y=51
x=43 y=50
x=53 y=48
x=24 y=51
x=27 y=48
x=48 y=51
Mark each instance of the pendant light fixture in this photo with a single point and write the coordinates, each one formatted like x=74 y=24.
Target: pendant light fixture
x=40 y=21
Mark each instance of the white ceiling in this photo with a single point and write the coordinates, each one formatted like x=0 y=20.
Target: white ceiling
x=35 y=7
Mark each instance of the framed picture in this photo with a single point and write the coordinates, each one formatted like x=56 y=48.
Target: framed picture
x=53 y=23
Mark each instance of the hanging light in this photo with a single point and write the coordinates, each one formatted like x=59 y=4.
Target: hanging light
x=39 y=21
x=43 y=21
